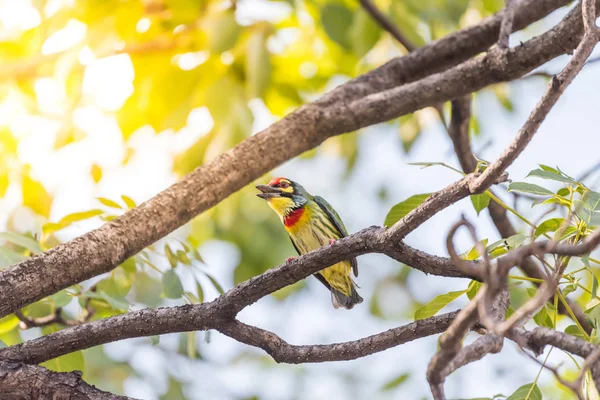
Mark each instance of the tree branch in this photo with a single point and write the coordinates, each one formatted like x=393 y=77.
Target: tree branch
x=282 y=352
x=22 y=381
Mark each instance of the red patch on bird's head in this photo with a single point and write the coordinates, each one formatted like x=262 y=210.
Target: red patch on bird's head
x=275 y=181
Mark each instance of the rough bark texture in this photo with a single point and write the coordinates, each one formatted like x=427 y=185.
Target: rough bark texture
x=28 y=382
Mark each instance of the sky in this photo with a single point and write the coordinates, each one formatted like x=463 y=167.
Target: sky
x=569 y=138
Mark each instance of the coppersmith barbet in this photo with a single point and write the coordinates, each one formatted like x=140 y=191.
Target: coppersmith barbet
x=311 y=222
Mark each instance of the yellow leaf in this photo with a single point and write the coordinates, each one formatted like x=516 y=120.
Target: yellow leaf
x=36 y=197
x=8 y=323
x=96 y=173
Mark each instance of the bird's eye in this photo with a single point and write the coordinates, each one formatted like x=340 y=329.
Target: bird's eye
x=284 y=185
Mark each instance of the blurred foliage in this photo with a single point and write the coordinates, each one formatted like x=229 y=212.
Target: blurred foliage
x=154 y=64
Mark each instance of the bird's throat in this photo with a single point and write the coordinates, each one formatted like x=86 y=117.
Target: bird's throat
x=291 y=218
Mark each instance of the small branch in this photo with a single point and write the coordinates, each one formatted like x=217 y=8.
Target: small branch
x=489 y=343
x=555 y=89
x=459 y=133
x=507 y=23
x=387 y=25
x=283 y=352
x=55 y=318
x=450 y=345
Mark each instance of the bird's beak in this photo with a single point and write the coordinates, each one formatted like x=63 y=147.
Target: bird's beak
x=268 y=192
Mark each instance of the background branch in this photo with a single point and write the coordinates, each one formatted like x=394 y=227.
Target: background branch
x=387 y=24
x=22 y=381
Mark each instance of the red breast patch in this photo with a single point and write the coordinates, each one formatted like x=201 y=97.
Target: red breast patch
x=293 y=217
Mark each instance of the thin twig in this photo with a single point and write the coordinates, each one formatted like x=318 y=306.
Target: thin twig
x=387 y=24
x=507 y=22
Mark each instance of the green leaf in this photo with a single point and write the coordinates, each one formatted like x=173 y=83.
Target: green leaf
x=593 y=314
x=514 y=241
x=394 y=383
x=480 y=201
x=529 y=391
x=550 y=174
x=215 y=284
x=400 y=210
x=191 y=345
x=543 y=319
x=128 y=201
x=67 y=363
x=570 y=288
x=258 y=64
x=183 y=258
x=473 y=289
x=473 y=253
x=109 y=203
x=337 y=20
x=171 y=256
x=67 y=220
x=574 y=330
x=129 y=265
x=364 y=33
x=9 y=257
x=525 y=187
x=36 y=197
x=200 y=292
x=549 y=225
x=61 y=299
x=435 y=305
x=549 y=169
x=222 y=31
x=172 y=287
x=594 y=285
x=589 y=207
x=115 y=302
x=567 y=233
x=21 y=240
x=8 y=323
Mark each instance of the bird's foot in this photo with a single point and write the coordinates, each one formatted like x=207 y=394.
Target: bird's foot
x=287 y=260
x=331 y=241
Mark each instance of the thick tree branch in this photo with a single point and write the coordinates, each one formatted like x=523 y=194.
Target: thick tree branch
x=22 y=381
x=341 y=111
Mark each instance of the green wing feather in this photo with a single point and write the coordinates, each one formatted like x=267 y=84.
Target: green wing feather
x=337 y=222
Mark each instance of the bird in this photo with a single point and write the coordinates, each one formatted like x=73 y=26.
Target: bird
x=311 y=223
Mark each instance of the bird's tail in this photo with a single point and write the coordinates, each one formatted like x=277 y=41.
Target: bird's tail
x=340 y=299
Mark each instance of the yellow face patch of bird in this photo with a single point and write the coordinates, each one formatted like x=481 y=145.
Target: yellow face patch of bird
x=311 y=222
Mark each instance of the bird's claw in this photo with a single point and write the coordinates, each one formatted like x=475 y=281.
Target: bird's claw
x=331 y=241
x=287 y=260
